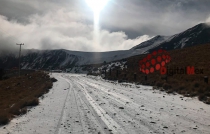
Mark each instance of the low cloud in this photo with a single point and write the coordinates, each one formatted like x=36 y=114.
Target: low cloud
x=61 y=29
x=208 y=19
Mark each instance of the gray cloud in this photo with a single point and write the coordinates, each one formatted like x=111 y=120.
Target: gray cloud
x=62 y=29
x=49 y=24
x=152 y=17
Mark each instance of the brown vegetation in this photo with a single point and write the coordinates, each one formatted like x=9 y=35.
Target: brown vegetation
x=187 y=85
x=16 y=93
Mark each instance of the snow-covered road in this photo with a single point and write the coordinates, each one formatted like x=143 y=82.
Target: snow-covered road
x=80 y=104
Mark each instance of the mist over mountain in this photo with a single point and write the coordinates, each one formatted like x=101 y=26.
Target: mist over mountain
x=55 y=59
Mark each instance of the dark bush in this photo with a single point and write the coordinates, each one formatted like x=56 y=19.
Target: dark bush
x=193 y=94
x=166 y=86
x=170 y=91
x=16 y=109
x=23 y=110
x=4 y=118
x=202 y=97
x=53 y=80
x=181 y=88
x=159 y=84
x=208 y=101
x=196 y=84
x=207 y=88
x=33 y=102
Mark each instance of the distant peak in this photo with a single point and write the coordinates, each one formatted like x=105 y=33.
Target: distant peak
x=203 y=25
x=158 y=37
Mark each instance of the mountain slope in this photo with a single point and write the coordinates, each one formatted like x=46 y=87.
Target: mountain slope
x=154 y=42
x=199 y=34
x=54 y=59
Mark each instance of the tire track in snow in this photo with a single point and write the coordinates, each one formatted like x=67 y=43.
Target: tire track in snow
x=76 y=105
x=94 y=120
x=116 y=100
x=111 y=124
x=57 y=130
x=78 y=111
x=180 y=121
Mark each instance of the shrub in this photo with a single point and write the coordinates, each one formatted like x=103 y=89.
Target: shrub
x=181 y=88
x=23 y=110
x=182 y=92
x=152 y=83
x=166 y=86
x=4 y=118
x=159 y=84
x=33 y=102
x=16 y=109
x=53 y=80
x=155 y=88
x=193 y=94
x=170 y=91
x=202 y=97
x=207 y=88
x=196 y=84
x=201 y=90
x=208 y=101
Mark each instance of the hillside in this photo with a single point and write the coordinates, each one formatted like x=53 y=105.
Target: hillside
x=187 y=85
x=19 y=93
x=199 y=34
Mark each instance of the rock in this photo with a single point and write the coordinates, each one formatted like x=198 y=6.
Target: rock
x=121 y=107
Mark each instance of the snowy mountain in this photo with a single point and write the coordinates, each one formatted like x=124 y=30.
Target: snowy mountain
x=54 y=59
x=199 y=34
x=152 y=43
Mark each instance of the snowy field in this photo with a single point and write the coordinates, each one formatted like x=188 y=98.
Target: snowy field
x=82 y=104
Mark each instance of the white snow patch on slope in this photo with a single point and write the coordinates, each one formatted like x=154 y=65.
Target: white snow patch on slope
x=183 y=42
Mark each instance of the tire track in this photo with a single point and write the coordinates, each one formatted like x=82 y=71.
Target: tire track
x=57 y=130
x=78 y=112
x=111 y=124
x=184 y=120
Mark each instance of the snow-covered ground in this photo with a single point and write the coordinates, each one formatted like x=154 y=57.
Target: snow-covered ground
x=112 y=65
x=82 y=104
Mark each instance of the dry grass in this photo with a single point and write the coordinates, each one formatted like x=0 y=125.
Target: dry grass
x=187 y=85
x=17 y=93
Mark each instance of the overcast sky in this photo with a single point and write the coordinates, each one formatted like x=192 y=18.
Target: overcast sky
x=68 y=24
